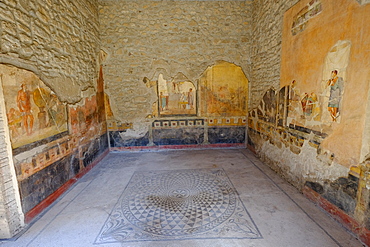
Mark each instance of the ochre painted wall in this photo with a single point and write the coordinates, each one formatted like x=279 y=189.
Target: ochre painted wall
x=303 y=60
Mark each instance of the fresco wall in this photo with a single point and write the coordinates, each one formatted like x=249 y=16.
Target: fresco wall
x=53 y=47
x=312 y=129
x=52 y=141
x=165 y=64
x=211 y=111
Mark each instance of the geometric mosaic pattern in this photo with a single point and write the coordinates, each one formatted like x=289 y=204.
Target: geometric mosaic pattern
x=180 y=204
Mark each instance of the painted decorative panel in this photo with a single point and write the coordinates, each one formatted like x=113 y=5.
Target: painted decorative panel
x=176 y=96
x=34 y=111
x=223 y=91
x=52 y=142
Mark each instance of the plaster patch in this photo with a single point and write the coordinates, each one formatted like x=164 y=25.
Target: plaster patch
x=305 y=165
x=138 y=131
x=27 y=155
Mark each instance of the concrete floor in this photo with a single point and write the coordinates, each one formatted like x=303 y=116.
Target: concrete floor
x=275 y=214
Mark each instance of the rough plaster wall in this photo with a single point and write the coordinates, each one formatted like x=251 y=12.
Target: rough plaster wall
x=266 y=46
x=56 y=39
x=143 y=38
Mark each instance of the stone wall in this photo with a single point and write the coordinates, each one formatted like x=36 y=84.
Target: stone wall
x=143 y=39
x=57 y=40
x=267 y=29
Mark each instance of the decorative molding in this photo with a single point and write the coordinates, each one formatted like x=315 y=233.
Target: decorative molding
x=116 y=125
x=177 y=123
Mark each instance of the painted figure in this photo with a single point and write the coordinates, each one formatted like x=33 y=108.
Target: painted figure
x=52 y=112
x=24 y=105
x=183 y=101
x=191 y=99
x=163 y=101
x=336 y=88
x=14 y=121
x=310 y=106
x=294 y=100
x=306 y=105
x=315 y=113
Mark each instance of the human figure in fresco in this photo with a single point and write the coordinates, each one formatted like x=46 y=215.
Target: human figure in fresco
x=24 y=105
x=336 y=88
x=294 y=99
x=163 y=101
x=191 y=99
x=183 y=100
x=306 y=105
x=309 y=105
x=14 y=121
x=292 y=92
x=56 y=111
x=52 y=113
x=315 y=113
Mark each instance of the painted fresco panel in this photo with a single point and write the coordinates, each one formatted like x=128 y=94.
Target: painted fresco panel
x=224 y=91
x=176 y=97
x=84 y=118
x=34 y=111
x=51 y=142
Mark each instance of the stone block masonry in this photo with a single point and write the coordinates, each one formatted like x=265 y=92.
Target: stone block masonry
x=145 y=38
x=57 y=40
x=267 y=22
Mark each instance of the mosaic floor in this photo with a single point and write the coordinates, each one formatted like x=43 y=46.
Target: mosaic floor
x=181 y=198
x=180 y=204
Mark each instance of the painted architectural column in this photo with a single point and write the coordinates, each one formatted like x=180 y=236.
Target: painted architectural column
x=11 y=215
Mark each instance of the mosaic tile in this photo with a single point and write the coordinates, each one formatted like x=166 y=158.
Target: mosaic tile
x=175 y=205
